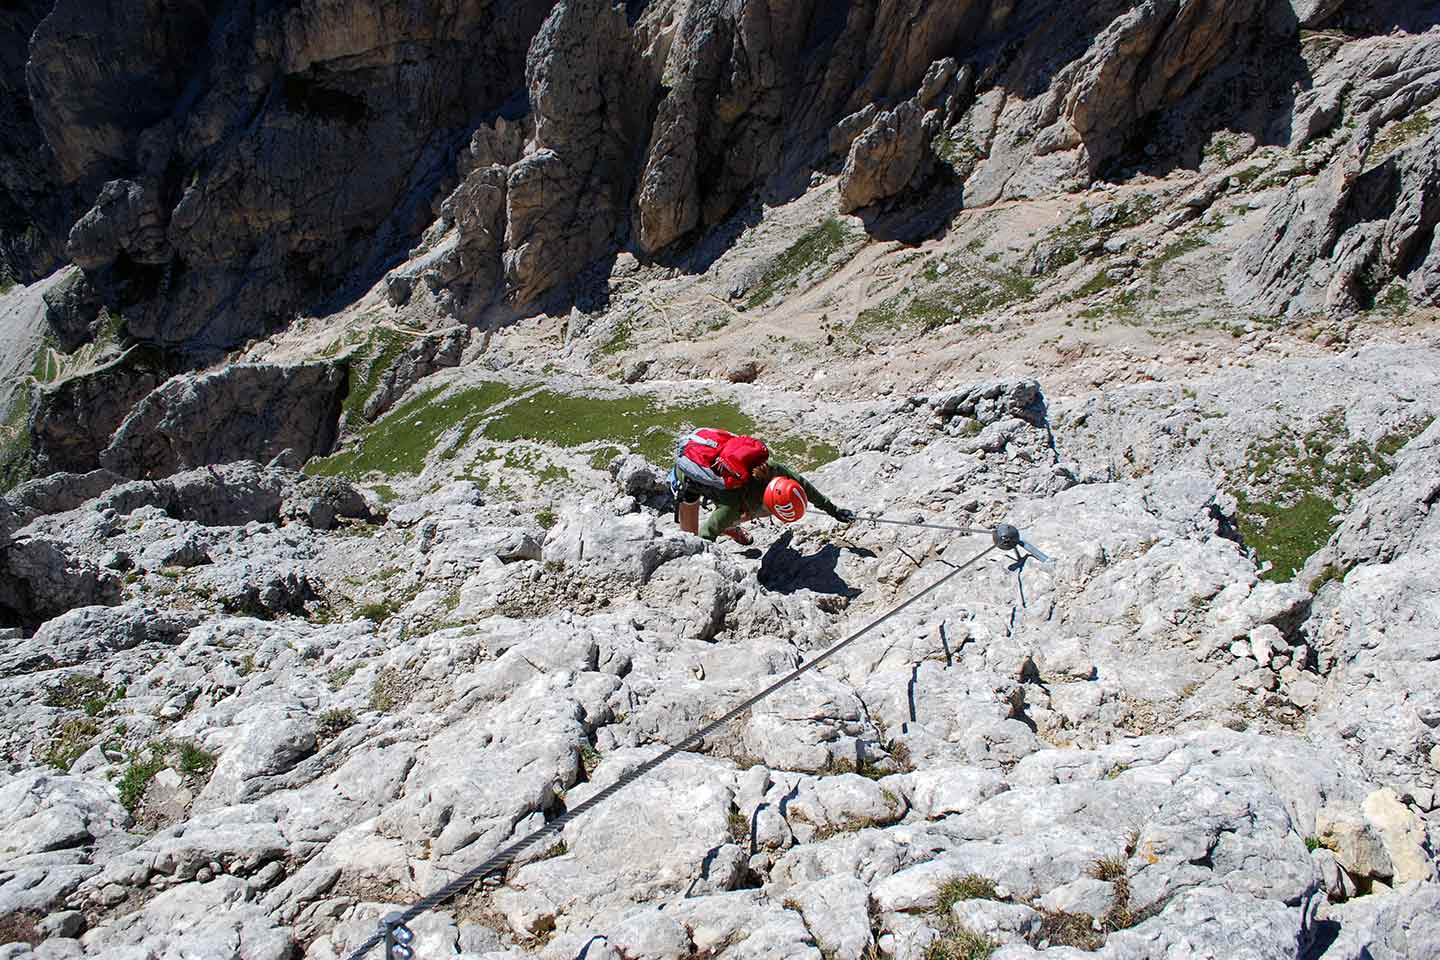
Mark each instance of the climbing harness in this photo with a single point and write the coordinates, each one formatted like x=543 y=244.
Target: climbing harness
x=394 y=931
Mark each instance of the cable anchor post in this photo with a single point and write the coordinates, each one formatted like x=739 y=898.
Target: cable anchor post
x=398 y=937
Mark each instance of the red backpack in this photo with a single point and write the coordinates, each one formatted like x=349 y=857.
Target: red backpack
x=718 y=459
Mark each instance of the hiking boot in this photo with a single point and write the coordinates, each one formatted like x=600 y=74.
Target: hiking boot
x=739 y=535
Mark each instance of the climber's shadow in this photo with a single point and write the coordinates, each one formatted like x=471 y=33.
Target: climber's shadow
x=784 y=569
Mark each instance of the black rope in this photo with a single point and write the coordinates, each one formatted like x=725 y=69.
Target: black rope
x=504 y=858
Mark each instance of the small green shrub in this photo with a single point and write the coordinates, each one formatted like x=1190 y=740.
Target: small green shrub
x=1076 y=930
x=960 y=943
x=340 y=676
x=71 y=739
x=390 y=690
x=334 y=721
x=194 y=759
x=137 y=776
x=376 y=612
x=972 y=886
x=546 y=518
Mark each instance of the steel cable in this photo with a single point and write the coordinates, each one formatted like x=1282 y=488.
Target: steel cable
x=504 y=858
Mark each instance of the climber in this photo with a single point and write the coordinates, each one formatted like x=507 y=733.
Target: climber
x=736 y=473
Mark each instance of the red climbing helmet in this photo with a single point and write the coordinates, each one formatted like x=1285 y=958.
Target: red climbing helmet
x=785 y=499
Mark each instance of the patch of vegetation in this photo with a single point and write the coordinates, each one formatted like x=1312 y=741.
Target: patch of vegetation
x=634 y=422
x=974 y=292
x=601 y=457
x=1328 y=573
x=589 y=759
x=546 y=518
x=1061 y=929
x=7 y=283
x=1395 y=300
x=1245 y=178
x=559 y=850
x=368 y=363
x=739 y=828
x=1174 y=251
x=1096 y=284
x=1296 y=482
x=400 y=441
x=340 y=676
x=958 y=152
x=71 y=739
x=378 y=611
x=1095 y=225
x=16 y=455
x=621 y=338
x=246 y=666
x=878 y=319
x=1312 y=844
x=137 y=776
x=866 y=768
x=80 y=691
x=849 y=825
x=390 y=690
x=815 y=247
x=20 y=927
x=1400 y=135
x=972 y=886
x=195 y=759
x=960 y=943
x=334 y=721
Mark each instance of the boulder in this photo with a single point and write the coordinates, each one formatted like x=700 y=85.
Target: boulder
x=243 y=411
x=890 y=156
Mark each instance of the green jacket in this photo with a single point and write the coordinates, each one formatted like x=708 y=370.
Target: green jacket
x=732 y=505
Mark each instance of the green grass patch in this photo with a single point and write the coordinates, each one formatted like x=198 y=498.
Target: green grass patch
x=1175 y=250
x=636 y=423
x=601 y=457
x=622 y=337
x=368 y=364
x=334 y=721
x=963 y=294
x=816 y=247
x=399 y=442
x=195 y=759
x=958 y=152
x=1096 y=284
x=1399 y=136
x=972 y=886
x=1395 y=299
x=137 y=776
x=960 y=943
x=16 y=455
x=340 y=676
x=71 y=738
x=1296 y=482
x=881 y=318
x=546 y=518
x=390 y=690
x=80 y=691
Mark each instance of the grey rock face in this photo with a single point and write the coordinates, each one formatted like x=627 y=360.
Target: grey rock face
x=1337 y=244
x=892 y=154
x=71 y=309
x=75 y=420
x=245 y=411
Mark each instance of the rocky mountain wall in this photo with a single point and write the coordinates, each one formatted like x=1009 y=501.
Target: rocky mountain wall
x=215 y=145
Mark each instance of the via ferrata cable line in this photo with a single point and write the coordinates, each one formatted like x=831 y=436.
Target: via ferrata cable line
x=395 y=933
